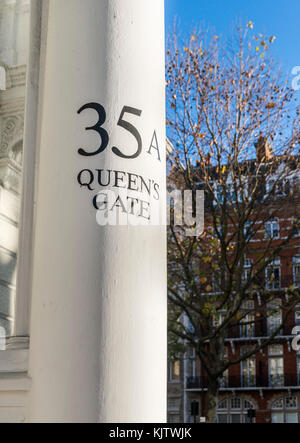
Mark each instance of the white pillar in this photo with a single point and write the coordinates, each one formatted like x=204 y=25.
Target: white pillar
x=98 y=317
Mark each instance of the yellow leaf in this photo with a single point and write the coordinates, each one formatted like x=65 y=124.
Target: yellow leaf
x=250 y=25
x=207 y=259
x=224 y=170
x=208 y=288
x=257 y=49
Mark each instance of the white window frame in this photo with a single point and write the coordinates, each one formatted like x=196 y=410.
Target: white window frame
x=251 y=378
x=285 y=410
x=273 y=321
x=14 y=359
x=272 y=355
x=296 y=264
x=269 y=233
x=276 y=264
x=228 y=412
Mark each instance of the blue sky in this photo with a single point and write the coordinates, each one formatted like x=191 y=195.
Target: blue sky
x=271 y=17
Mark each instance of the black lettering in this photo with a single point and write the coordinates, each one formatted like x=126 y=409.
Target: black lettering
x=152 y=146
x=83 y=182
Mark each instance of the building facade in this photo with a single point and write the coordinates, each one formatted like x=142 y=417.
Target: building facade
x=265 y=388
x=14 y=40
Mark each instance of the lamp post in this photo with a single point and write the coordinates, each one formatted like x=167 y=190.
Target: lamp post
x=98 y=316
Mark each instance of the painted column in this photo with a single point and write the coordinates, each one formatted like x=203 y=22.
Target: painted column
x=98 y=317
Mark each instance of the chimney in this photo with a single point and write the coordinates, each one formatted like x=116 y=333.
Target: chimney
x=263 y=149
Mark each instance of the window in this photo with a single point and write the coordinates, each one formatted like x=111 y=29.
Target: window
x=286 y=410
x=272 y=229
x=248 y=368
x=191 y=363
x=295 y=227
x=280 y=188
x=234 y=410
x=14 y=25
x=219 y=194
x=230 y=193
x=297 y=316
x=174 y=371
x=274 y=316
x=174 y=418
x=247 y=328
x=248 y=230
x=189 y=326
x=276 y=366
x=224 y=380
x=173 y=403
x=247 y=271
x=273 y=275
x=296 y=271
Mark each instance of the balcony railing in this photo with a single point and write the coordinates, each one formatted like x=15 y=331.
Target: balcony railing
x=260 y=330
x=258 y=381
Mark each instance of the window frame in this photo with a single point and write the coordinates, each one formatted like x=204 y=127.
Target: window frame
x=275 y=284
x=14 y=359
x=285 y=410
x=269 y=233
x=276 y=356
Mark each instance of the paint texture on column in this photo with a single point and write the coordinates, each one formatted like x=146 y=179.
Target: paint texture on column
x=98 y=320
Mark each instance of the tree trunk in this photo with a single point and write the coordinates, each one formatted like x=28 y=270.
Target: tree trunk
x=212 y=400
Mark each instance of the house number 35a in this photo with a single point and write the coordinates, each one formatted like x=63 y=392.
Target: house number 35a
x=123 y=123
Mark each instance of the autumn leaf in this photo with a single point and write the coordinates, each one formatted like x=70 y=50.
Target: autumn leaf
x=250 y=25
x=272 y=39
x=207 y=259
x=270 y=105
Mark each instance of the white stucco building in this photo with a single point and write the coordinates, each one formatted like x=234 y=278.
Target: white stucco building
x=83 y=306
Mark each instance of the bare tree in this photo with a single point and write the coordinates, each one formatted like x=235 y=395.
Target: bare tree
x=234 y=124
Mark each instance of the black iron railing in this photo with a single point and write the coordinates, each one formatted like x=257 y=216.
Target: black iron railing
x=260 y=329
x=258 y=381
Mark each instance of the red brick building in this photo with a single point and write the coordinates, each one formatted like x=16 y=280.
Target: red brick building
x=266 y=387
